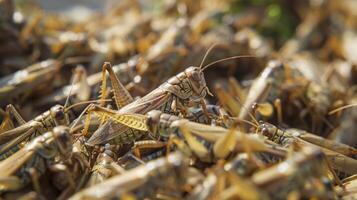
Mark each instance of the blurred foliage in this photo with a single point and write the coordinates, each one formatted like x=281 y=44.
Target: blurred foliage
x=279 y=22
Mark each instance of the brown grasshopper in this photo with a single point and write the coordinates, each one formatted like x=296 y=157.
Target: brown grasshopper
x=143 y=178
x=180 y=91
x=27 y=79
x=307 y=165
x=11 y=140
x=340 y=155
x=165 y=125
x=30 y=162
x=30 y=79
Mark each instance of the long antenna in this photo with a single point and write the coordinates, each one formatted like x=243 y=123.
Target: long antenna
x=206 y=54
x=87 y=102
x=229 y=58
x=342 y=108
x=70 y=92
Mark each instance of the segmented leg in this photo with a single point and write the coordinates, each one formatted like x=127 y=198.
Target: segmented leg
x=146 y=144
x=225 y=145
x=10 y=183
x=121 y=95
x=35 y=179
x=198 y=148
x=7 y=123
x=174 y=140
x=12 y=111
x=277 y=104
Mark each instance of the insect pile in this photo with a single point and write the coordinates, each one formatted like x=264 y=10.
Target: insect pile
x=179 y=99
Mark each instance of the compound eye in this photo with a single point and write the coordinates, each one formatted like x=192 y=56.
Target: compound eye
x=59 y=114
x=196 y=75
x=265 y=131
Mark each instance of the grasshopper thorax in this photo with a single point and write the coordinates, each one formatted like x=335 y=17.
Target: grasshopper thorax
x=63 y=141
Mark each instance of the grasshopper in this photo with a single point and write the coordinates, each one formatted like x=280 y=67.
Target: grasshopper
x=174 y=94
x=339 y=154
x=27 y=79
x=184 y=89
x=11 y=140
x=143 y=179
x=166 y=126
x=30 y=162
x=280 y=179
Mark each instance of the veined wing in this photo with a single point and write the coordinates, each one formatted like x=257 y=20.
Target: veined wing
x=13 y=133
x=12 y=164
x=110 y=129
x=12 y=143
x=151 y=101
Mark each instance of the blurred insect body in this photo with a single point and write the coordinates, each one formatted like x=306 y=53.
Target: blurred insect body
x=265 y=88
x=349 y=188
x=168 y=172
x=11 y=139
x=32 y=161
x=28 y=79
x=303 y=166
x=340 y=155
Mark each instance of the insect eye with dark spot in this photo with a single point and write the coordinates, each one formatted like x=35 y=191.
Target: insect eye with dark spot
x=59 y=114
x=265 y=131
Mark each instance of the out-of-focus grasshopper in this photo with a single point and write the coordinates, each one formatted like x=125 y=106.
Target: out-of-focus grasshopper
x=340 y=155
x=27 y=79
x=307 y=165
x=11 y=140
x=226 y=184
x=32 y=78
x=143 y=179
x=348 y=190
x=265 y=88
x=32 y=161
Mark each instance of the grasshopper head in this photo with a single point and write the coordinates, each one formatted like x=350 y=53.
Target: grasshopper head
x=63 y=141
x=59 y=115
x=197 y=82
